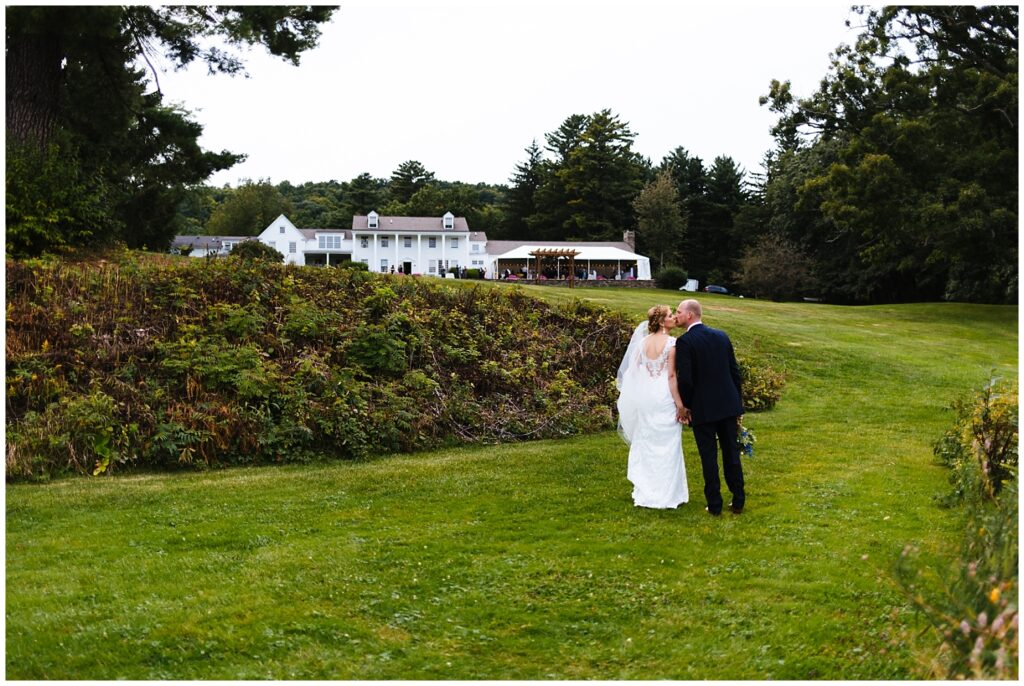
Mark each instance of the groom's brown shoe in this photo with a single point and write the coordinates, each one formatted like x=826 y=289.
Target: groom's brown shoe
x=736 y=510
x=713 y=514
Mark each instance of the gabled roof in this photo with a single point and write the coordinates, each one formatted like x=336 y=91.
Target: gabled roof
x=361 y=222
x=207 y=242
x=479 y=236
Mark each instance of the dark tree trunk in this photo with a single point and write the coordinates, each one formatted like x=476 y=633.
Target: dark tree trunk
x=33 y=86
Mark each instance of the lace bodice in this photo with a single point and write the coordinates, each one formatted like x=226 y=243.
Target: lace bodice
x=657 y=366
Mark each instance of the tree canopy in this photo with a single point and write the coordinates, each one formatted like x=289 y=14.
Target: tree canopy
x=900 y=173
x=93 y=152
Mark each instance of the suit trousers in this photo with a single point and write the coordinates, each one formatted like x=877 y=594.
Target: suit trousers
x=709 y=437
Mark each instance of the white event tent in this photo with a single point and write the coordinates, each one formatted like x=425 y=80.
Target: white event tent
x=602 y=259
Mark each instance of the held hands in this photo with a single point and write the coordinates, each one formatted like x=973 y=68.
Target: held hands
x=683 y=415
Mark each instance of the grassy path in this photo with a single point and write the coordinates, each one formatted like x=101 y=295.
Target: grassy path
x=528 y=561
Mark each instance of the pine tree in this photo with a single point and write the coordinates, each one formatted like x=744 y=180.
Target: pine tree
x=521 y=202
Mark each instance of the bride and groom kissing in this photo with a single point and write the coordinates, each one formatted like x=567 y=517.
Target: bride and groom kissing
x=665 y=383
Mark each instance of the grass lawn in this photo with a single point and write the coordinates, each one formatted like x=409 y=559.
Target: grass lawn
x=528 y=561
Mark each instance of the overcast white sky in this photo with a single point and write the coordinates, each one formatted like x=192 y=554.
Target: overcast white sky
x=465 y=87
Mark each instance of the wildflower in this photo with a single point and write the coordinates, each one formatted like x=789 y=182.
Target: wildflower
x=994 y=595
x=965 y=627
x=982 y=619
x=997 y=624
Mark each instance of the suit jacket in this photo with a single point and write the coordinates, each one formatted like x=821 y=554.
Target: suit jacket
x=708 y=375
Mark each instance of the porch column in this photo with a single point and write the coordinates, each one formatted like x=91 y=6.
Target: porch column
x=419 y=254
x=375 y=265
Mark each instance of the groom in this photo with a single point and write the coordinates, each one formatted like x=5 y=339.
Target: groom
x=709 y=384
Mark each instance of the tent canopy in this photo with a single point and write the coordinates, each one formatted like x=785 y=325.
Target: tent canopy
x=583 y=253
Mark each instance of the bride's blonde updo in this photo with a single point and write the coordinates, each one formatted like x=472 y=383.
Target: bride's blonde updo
x=656 y=317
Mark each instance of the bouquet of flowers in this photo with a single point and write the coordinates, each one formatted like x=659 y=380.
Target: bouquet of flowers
x=745 y=439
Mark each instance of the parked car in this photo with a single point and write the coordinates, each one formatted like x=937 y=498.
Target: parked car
x=721 y=290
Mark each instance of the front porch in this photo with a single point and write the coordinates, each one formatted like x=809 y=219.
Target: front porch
x=326 y=259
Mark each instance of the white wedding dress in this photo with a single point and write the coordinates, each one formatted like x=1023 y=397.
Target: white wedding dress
x=647 y=422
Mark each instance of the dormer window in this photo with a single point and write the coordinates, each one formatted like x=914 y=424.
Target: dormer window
x=372 y=220
x=449 y=220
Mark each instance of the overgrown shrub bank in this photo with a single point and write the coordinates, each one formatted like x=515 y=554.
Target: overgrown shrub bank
x=973 y=606
x=163 y=363
x=134 y=362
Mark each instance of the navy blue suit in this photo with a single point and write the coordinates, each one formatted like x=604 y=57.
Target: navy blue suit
x=710 y=386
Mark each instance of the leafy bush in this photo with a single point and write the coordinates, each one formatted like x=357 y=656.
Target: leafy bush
x=981 y=447
x=257 y=250
x=353 y=265
x=171 y=364
x=670 y=278
x=762 y=384
x=971 y=603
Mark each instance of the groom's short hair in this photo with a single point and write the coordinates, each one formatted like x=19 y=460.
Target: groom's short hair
x=691 y=306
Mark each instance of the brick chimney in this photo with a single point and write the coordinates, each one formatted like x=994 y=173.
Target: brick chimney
x=630 y=238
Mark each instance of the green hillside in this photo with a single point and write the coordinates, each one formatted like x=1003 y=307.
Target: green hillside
x=528 y=560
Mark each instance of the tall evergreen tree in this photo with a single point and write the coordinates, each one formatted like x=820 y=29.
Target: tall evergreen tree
x=587 y=190
x=410 y=177
x=363 y=195
x=520 y=202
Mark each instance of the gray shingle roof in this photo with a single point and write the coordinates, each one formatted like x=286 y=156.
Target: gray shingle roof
x=206 y=242
x=361 y=222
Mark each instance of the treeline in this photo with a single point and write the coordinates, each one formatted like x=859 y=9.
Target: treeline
x=896 y=181
x=587 y=184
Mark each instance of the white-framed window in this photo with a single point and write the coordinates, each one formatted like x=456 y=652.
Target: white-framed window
x=291 y=246
x=364 y=242
x=383 y=241
x=478 y=263
x=272 y=244
x=365 y=261
x=455 y=243
x=432 y=267
x=449 y=221
x=432 y=242
x=281 y=229
x=408 y=241
x=476 y=247
x=383 y=265
x=372 y=223
x=329 y=242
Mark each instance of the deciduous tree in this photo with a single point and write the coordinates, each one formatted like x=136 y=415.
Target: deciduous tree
x=248 y=210
x=661 y=224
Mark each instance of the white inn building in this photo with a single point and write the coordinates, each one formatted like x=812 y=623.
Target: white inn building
x=424 y=245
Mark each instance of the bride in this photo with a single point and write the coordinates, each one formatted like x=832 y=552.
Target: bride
x=649 y=405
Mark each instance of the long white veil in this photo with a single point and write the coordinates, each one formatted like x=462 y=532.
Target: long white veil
x=627 y=402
